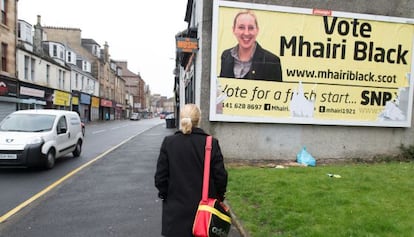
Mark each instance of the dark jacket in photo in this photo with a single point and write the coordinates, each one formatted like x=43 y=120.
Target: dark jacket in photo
x=265 y=65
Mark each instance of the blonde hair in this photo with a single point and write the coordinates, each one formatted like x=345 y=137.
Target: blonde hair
x=246 y=12
x=190 y=116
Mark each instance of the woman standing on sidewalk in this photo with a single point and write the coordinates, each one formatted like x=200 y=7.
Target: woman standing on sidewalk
x=179 y=174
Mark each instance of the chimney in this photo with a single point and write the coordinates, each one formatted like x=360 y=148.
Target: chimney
x=106 y=52
x=37 y=39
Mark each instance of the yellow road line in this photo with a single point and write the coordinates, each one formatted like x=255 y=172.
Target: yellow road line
x=59 y=181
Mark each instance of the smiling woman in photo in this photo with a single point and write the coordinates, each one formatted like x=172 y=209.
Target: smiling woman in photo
x=248 y=60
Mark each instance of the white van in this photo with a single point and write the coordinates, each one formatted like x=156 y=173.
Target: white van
x=33 y=138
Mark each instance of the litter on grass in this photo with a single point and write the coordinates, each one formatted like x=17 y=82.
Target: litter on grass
x=334 y=176
x=304 y=157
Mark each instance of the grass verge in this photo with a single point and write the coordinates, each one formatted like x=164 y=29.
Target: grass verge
x=366 y=200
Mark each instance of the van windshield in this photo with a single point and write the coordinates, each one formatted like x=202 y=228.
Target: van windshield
x=27 y=123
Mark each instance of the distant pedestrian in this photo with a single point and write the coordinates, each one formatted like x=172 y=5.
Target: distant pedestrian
x=179 y=174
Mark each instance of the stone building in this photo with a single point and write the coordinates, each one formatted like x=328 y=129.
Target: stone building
x=8 y=39
x=134 y=85
x=331 y=135
x=106 y=72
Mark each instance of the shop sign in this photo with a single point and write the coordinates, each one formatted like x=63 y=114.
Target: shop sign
x=186 y=45
x=32 y=92
x=61 y=98
x=106 y=103
x=8 y=88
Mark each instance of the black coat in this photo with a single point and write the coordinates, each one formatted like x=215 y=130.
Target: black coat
x=179 y=179
x=265 y=65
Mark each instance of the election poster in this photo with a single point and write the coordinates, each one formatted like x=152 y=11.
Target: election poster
x=276 y=64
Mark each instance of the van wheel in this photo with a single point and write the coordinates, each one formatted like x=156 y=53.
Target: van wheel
x=78 y=149
x=50 y=159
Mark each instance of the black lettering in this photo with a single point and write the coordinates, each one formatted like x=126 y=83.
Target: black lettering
x=284 y=44
x=344 y=27
x=365 y=98
x=360 y=53
x=375 y=97
x=329 y=29
x=303 y=44
x=365 y=30
x=401 y=55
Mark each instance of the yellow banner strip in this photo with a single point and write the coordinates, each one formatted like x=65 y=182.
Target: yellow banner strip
x=215 y=212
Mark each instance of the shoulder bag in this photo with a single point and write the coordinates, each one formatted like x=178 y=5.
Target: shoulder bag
x=213 y=217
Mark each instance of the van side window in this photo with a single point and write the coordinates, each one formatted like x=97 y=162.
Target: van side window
x=62 y=126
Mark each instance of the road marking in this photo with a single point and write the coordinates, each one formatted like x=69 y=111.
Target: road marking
x=64 y=178
x=99 y=131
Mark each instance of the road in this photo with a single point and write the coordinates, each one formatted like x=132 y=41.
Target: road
x=18 y=185
x=113 y=195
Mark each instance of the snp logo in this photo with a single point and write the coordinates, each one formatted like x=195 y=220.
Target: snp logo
x=219 y=232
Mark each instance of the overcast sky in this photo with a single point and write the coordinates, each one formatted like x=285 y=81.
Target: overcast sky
x=140 y=32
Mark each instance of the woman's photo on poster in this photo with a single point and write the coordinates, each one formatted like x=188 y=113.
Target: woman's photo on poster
x=248 y=59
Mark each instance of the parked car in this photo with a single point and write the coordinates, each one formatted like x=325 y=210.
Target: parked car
x=134 y=116
x=164 y=114
x=33 y=138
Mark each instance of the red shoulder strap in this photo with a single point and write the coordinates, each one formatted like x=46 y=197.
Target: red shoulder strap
x=206 y=177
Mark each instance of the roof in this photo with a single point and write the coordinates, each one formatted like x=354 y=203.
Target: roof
x=45 y=111
x=89 y=41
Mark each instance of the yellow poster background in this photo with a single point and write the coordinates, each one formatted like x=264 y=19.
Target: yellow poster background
x=367 y=81
x=274 y=99
x=275 y=25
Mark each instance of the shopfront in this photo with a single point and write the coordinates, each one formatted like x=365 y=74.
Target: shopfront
x=94 y=108
x=8 y=94
x=84 y=107
x=106 y=110
x=34 y=97
x=120 y=111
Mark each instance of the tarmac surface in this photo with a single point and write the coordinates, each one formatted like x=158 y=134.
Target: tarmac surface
x=114 y=196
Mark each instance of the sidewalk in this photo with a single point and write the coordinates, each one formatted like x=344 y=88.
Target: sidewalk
x=115 y=196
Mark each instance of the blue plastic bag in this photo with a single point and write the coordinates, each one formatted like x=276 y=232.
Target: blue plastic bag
x=304 y=157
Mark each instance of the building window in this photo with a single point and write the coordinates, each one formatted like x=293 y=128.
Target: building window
x=85 y=66
x=61 y=55
x=95 y=51
x=76 y=81
x=3 y=12
x=3 y=57
x=32 y=69
x=69 y=57
x=26 y=67
x=47 y=74
x=60 y=79
x=54 y=51
x=63 y=79
x=19 y=30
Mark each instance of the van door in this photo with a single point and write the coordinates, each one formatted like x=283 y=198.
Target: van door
x=63 y=140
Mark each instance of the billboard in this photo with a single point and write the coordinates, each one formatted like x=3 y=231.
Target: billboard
x=275 y=64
